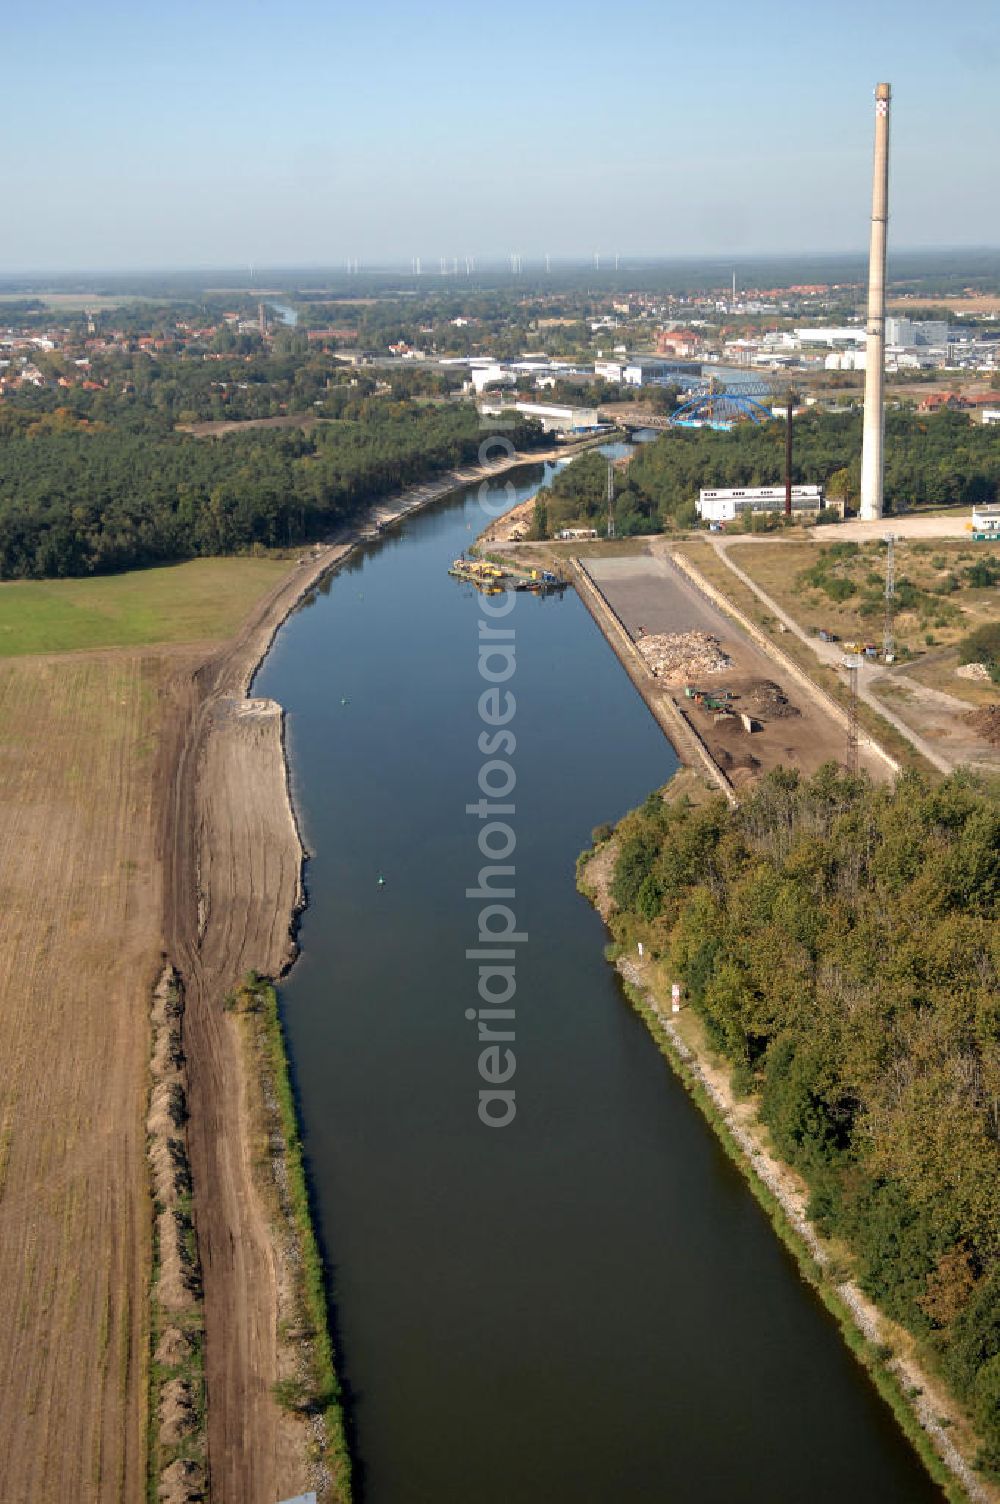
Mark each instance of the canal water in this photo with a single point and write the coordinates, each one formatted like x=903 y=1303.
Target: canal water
x=586 y=1306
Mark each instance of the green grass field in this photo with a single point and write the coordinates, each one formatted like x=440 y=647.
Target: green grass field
x=200 y=600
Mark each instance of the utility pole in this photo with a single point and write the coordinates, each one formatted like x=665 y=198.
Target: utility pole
x=611 y=498
x=888 y=639
x=788 y=455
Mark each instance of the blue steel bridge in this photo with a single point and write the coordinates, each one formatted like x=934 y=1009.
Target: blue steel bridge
x=710 y=402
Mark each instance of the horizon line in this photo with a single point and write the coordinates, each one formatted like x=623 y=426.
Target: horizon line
x=492 y=262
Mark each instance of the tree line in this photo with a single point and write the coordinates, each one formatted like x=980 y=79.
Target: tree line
x=78 y=497
x=930 y=460
x=840 y=943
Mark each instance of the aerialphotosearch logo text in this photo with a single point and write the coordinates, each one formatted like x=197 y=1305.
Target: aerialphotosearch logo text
x=497 y=933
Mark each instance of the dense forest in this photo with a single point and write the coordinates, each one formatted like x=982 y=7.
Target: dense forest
x=78 y=497
x=929 y=461
x=840 y=943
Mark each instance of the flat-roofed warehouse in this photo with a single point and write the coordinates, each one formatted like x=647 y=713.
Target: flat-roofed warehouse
x=723 y=506
x=986 y=521
x=553 y=418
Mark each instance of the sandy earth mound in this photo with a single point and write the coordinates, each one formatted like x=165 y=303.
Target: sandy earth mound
x=172 y=1348
x=182 y=1482
x=177 y=1417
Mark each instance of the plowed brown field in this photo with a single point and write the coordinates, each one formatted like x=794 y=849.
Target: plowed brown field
x=80 y=906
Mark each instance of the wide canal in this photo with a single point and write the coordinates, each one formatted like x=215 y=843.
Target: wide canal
x=586 y=1306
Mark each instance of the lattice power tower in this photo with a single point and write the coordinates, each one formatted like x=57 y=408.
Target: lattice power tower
x=888 y=638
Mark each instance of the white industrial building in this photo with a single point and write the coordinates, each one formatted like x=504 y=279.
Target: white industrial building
x=553 y=418
x=724 y=506
x=834 y=338
x=986 y=521
x=494 y=374
x=640 y=372
x=913 y=332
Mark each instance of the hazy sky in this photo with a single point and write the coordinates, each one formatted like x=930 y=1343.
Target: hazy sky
x=228 y=131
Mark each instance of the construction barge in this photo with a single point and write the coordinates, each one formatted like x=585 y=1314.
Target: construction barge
x=491 y=579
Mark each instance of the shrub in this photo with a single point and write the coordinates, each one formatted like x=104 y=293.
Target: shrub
x=983 y=646
x=838 y=589
x=290 y=1394
x=845 y=550
x=982 y=574
x=986 y=1410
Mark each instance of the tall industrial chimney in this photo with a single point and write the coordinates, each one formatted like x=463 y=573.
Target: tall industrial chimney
x=872 y=461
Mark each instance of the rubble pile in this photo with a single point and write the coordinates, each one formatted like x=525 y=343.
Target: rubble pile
x=683 y=656
x=767 y=701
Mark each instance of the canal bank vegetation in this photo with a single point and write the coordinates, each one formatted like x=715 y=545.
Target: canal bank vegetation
x=838 y=946
x=307 y=1388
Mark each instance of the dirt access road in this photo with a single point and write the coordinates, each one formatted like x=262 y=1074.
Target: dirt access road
x=232 y=884
x=957 y=524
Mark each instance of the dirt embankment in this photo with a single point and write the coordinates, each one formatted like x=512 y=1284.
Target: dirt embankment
x=232 y=881
x=232 y=861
